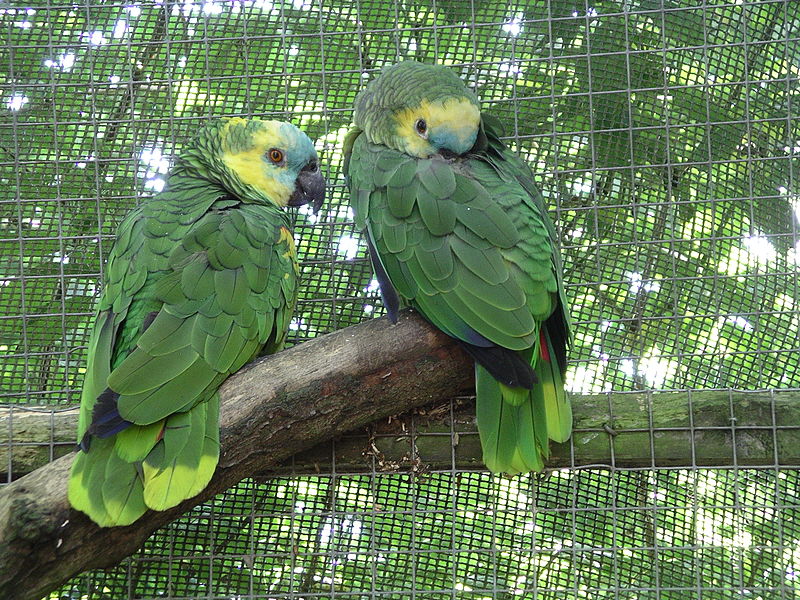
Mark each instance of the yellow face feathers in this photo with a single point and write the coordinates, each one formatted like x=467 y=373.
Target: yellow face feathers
x=251 y=165
x=451 y=124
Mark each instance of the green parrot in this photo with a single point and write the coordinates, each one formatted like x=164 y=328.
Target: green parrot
x=457 y=230
x=202 y=279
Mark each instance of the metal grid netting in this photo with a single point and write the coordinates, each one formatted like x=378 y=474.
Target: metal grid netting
x=669 y=534
x=620 y=534
x=666 y=137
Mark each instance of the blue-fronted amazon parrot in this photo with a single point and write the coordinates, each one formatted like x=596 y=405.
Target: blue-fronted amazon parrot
x=202 y=278
x=457 y=229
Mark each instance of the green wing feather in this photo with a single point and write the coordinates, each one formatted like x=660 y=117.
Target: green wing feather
x=469 y=244
x=220 y=279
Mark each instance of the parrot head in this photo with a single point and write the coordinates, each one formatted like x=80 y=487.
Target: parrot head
x=258 y=161
x=420 y=110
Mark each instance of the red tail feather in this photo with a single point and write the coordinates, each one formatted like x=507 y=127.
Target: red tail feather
x=544 y=351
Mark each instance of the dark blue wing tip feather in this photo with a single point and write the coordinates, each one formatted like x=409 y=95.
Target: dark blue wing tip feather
x=106 y=420
x=470 y=336
x=505 y=365
x=391 y=301
x=388 y=294
x=85 y=443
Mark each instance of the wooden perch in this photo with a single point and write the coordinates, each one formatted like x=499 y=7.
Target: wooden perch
x=639 y=429
x=271 y=409
x=700 y=429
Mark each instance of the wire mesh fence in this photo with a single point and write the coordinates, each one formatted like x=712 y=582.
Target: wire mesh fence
x=666 y=138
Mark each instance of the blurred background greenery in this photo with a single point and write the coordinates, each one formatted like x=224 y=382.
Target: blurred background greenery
x=666 y=137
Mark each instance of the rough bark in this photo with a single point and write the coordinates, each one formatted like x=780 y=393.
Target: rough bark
x=33 y=436
x=270 y=410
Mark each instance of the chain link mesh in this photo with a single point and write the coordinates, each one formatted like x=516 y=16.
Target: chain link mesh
x=666 y=137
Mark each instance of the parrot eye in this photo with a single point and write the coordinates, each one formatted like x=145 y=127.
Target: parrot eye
x=275 y=156
x=422 y=127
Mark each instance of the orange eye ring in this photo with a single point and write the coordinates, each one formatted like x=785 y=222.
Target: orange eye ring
x=275 y=156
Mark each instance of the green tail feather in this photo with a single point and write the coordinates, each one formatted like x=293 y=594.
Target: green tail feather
x=516 y=424
x=495 y=422
x=507 y=429
x=123 y=476
x=135 y=443
x=557 y=406
x=105 y=487
x=122 y=491
x=82 y=495
x=182 y=463
x=529 y=454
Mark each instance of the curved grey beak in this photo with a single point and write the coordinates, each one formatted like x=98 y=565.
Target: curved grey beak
x=309 y=188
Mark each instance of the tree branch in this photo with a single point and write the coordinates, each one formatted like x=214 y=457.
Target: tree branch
x=271 y=409
x=688 y=429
